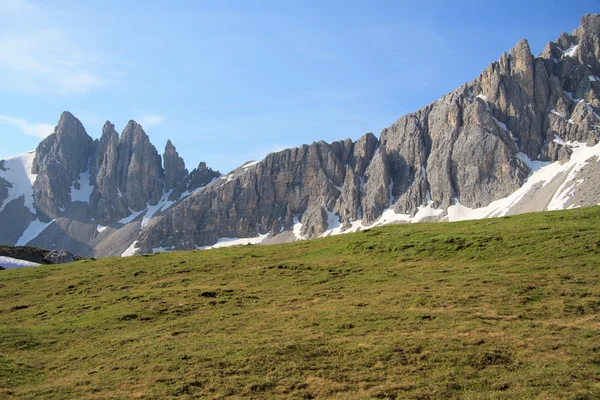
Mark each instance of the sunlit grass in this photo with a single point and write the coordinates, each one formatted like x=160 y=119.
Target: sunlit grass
x=495 y=309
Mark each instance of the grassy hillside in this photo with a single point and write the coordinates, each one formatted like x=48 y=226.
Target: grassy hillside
x=494 y=309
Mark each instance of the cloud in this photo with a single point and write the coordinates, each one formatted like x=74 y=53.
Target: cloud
x=149 y=120
x=26 y=127
x=40 y=57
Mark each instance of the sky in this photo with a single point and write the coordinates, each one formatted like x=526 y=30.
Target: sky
x=231 y=81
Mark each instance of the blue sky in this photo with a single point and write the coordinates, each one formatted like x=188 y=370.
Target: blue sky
x=230 y=81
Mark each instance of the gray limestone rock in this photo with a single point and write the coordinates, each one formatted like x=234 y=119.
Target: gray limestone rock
x=174 y=166
x=107 y=203
x=461 y=148
x=58 y=163
x=139 y=168
x=198 y=178
x=60 y=257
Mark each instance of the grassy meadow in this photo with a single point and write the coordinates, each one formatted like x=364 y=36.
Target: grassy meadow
x=494 y=309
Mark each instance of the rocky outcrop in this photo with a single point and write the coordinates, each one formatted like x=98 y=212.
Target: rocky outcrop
x=462 y=149
x=140 y=176
x=198 y=178
x=174 y=166
x=58 y=163
x=84 y=186
x=38 y=255
x=106 y=201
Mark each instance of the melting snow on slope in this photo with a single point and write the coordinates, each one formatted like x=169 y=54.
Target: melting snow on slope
x=228 y=242
x=163 y=204
x=18 y=174
x=84 y=192
x=34 y=229
x=249 y=164
x=298 y=228
x=9 y=262
x=542 y=173
x=130 y=250
x=131 y=217
x=571 y=50
x=387 y=217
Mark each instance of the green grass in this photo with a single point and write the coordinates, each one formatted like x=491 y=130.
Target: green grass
x=494 y=309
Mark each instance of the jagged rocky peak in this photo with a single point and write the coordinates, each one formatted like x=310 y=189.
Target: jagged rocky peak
x=106 y=202
x=174 y=166
x=198 y=178
x=59 y=161
x=70 y=145
x=463 y=148
x=139 y=168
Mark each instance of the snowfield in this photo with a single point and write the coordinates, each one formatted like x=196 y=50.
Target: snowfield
x=18 y=174
x=9 y=262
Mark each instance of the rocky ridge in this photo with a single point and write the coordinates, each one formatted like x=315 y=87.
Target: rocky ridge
x=81 y=187
x=520 y=137
x=470 y=148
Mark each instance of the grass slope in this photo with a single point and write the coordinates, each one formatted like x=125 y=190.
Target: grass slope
x=493 y=309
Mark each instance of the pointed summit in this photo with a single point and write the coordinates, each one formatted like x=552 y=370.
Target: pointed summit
x=139 y=168
x=521 y=63
x=174 y=166
x=59 y=161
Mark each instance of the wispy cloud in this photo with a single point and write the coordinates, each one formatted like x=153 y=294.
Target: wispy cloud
x=26 y=127
x=38 y=56
x=149 y=120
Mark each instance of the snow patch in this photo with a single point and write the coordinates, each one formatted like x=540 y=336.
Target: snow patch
x=131 y=217
x=130 y=250
x=163 y=204
x=558 y=140
x=34 y=229
x=542 y=173
x=84 y=192
x=9 y=262
x=389 y=216
x=571 y=51
x=333 y=222
x=228 y=242
x=249 y=164
x=18 y=174
x=427 y=211
x=298 y=228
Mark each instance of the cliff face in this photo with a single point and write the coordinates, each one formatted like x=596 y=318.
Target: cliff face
x=72 y=188
x=469 y=148
x=469 y=154
x=59 y=160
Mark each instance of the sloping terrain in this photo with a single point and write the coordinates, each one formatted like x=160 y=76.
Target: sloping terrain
x=491 y=309
x=522 y=136
x=91 y=197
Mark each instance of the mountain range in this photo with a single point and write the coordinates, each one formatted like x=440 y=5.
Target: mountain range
x=522 y=137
